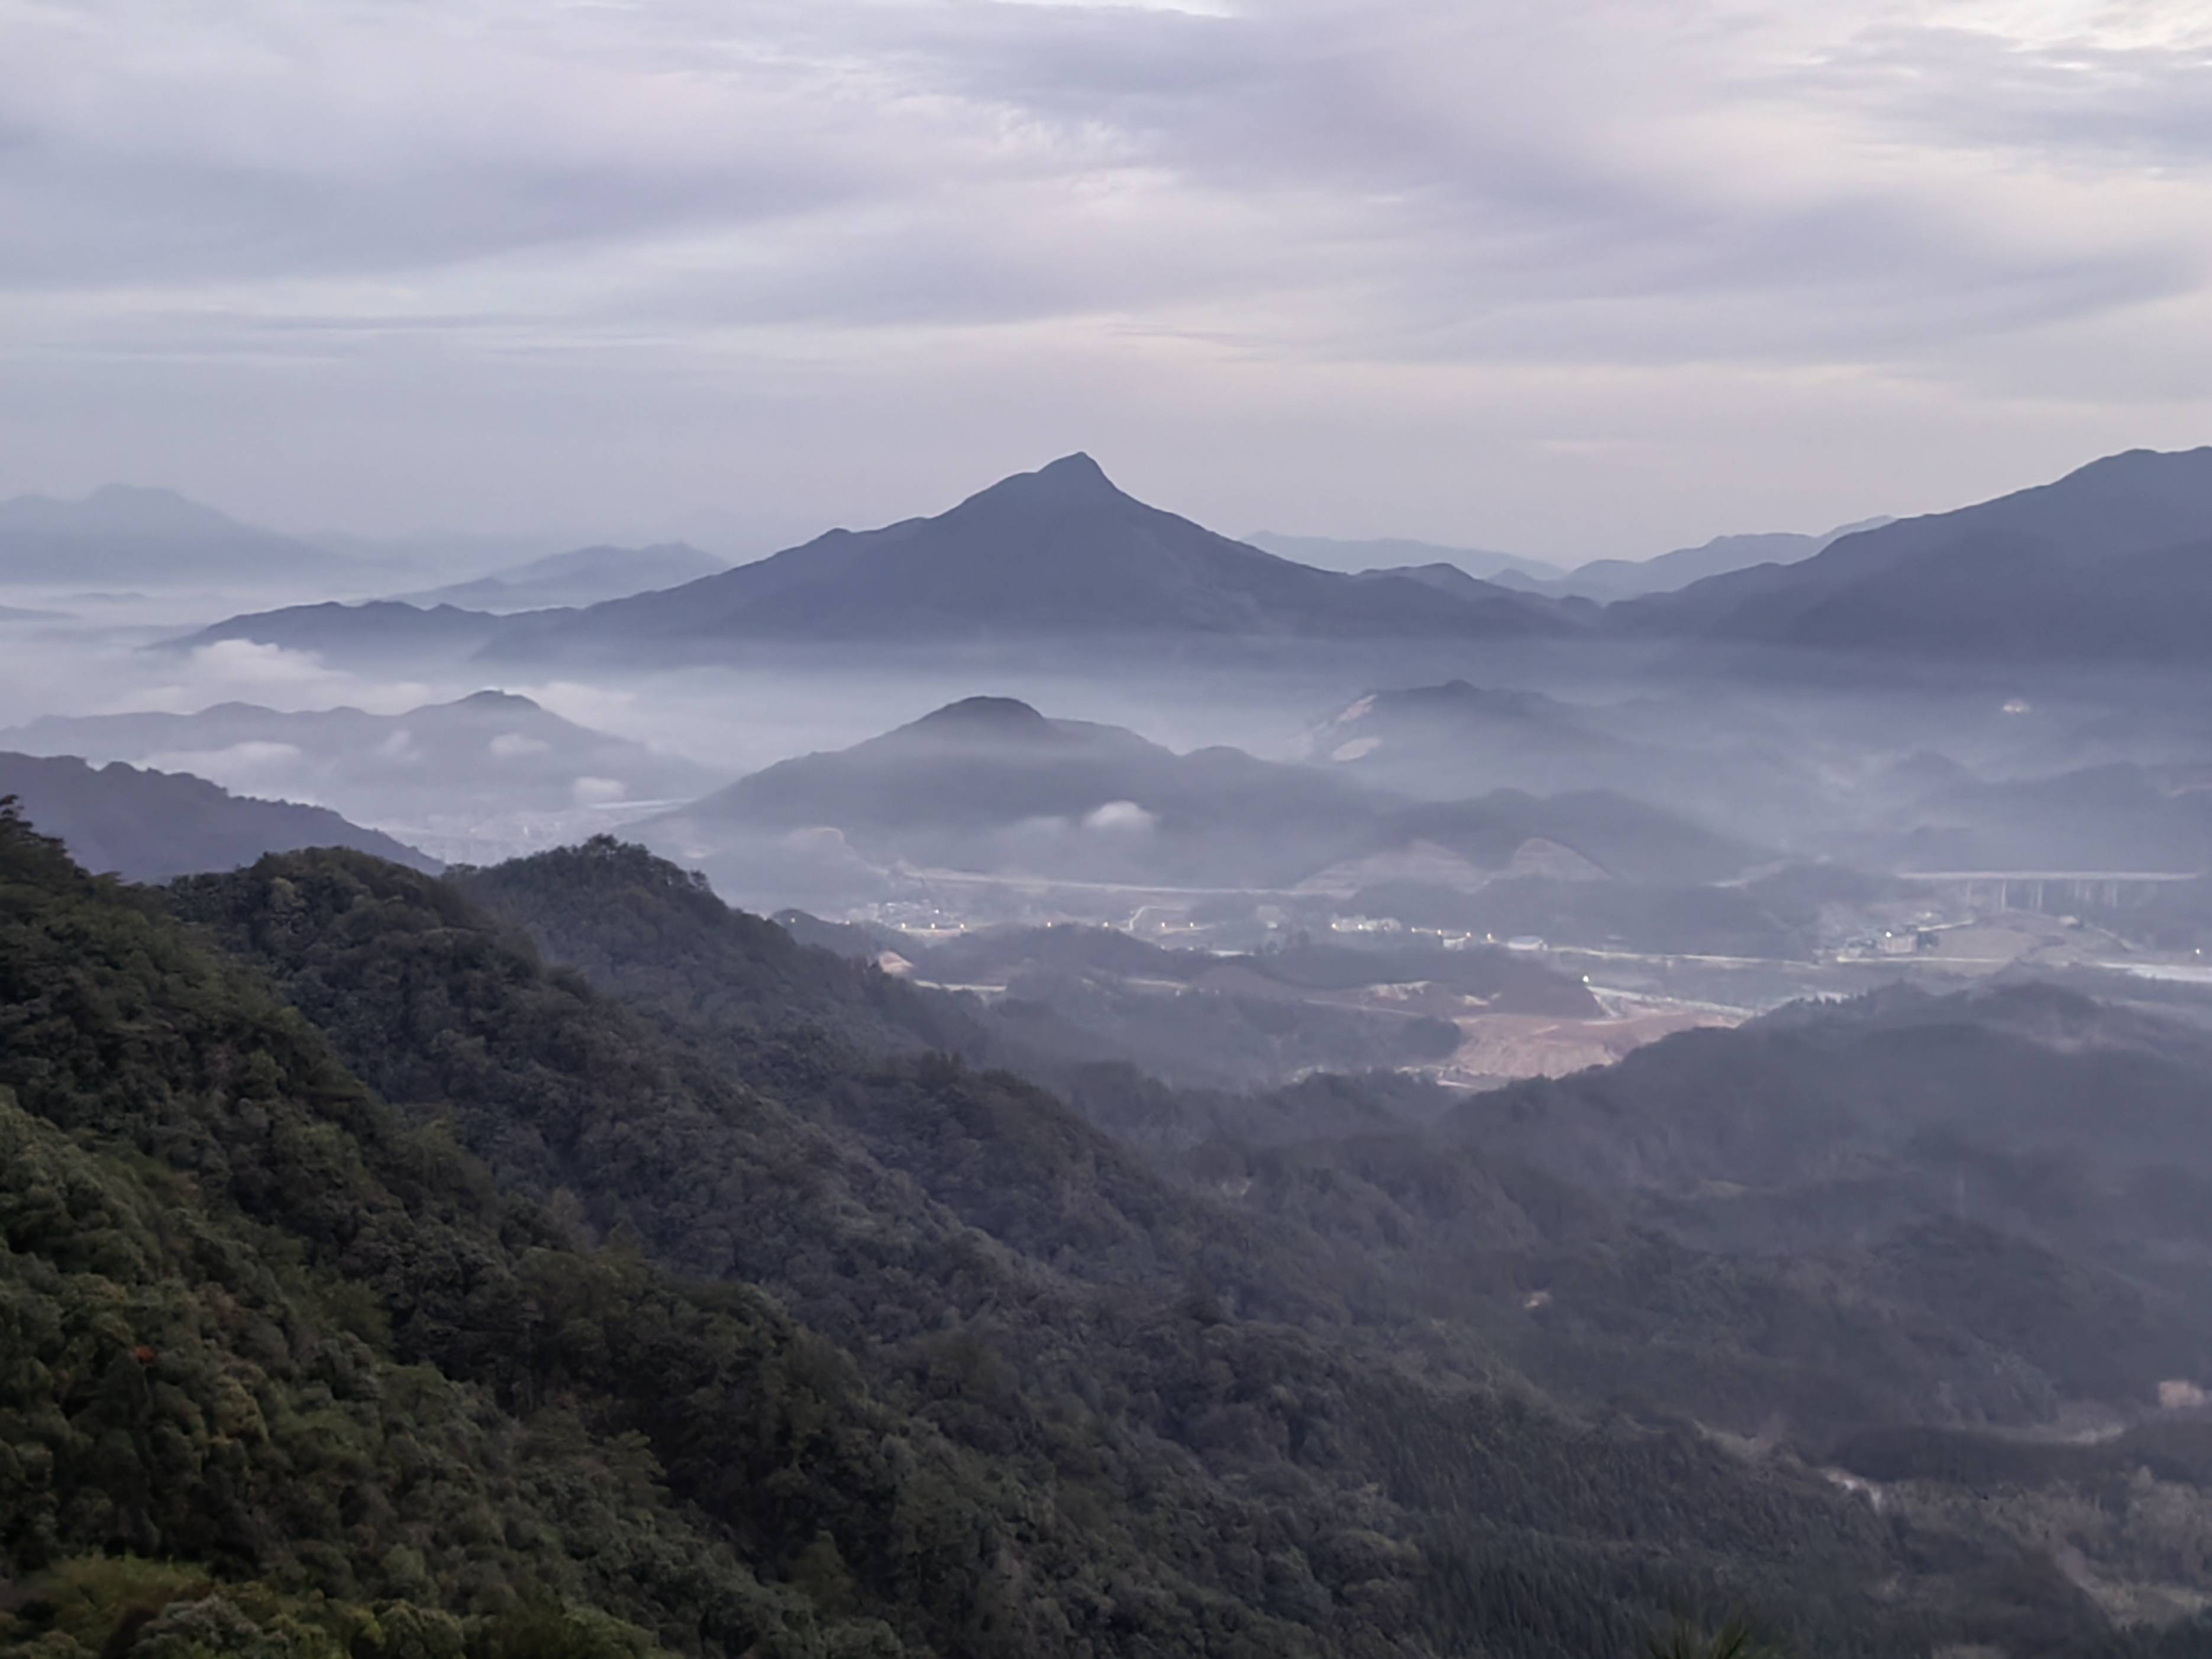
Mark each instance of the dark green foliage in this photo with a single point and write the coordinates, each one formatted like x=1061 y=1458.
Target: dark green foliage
x=1902 y=1208
x=952 y=1373
x=999 y=1265
x=623 y=917
x=1733 y=1641
x=254 y=1321
x=634 y=923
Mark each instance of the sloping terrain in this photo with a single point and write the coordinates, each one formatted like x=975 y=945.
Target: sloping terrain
x=1332 y=553
x=150 y=826
x=377 y=631
x=2110 y=561
x=149 y=539
x=1456 y=739
x=989 y=785
x=2113 y=816
x=1059 y=553
x=585 y=576
x=1781 y=1313
x=482 y=757
x=970 y=1377
x=1022 y=1279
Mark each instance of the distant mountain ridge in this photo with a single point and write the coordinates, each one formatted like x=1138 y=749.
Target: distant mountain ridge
x=1609 y=580
x=2113 y=561
x=491 y=757
x=150 y=537
x=152 y=826
x=1060 y=550
x=584 y=576
x=377 y=627
x=1396 y=552
x=1058 y=553
x=1602 y=580
x=990 y=786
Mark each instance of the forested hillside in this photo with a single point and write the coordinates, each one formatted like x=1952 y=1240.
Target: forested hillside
x=287 y=1373
x=373 y=1287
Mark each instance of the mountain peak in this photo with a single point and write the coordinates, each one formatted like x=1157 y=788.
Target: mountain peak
x=494 y=699
x=1072 y=478
x=983 y=717
x=118 y=494
x=1078 y=465
x=2150 y=468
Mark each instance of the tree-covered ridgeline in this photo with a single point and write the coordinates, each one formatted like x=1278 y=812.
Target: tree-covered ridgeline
x=371 y=1286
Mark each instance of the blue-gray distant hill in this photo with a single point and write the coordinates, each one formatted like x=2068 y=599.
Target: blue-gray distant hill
x=1396 y=553
x=586 y=577
x=990 y=786
x=1600 y=580
x=383 y=631
x=2112 y=562
x=1059 y=552
x=149 y=539
x=152 y=826
x=488 y=754
x=1607 y=581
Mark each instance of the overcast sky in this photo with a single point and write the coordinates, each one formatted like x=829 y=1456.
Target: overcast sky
x=1568 y=277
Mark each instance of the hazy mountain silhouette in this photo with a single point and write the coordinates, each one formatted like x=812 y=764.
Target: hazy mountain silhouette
x=1608 y=580
x=151 y=826
x=501 y=752
x=990 y=785
x=148 y=538
x=2113 y=561
x=1455 y=738
x=1393 y=552
x=377 y=630
x=585 y=576
x=1603 y=580
x=1450 y=579
x=1056 y=552
x=1441 y=742
x=1053 y=554
x=2118 y=816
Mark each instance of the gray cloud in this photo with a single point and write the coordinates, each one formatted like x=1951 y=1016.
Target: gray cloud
x=1585 y=230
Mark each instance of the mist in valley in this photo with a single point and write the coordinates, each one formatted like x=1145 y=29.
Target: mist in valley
x=702 y=955
x=1798 y=1052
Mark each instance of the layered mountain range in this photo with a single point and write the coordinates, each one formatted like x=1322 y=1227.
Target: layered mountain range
x=1604 y=581
x=148 y=825
x=584 y=576
x=2112 y=561
x=2107 y=563
x=989 y=786
x=150 y=538
x=492 y=751
x=549 y=1260
x=1057 y=552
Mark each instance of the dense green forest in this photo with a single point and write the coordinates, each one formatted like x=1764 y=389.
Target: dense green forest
x=374 y=1285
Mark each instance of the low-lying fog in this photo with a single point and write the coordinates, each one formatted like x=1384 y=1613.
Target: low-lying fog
x=1230 y=861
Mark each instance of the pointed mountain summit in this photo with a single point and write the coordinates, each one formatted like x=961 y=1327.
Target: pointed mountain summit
x=1059 y=552
x=1070 y=479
